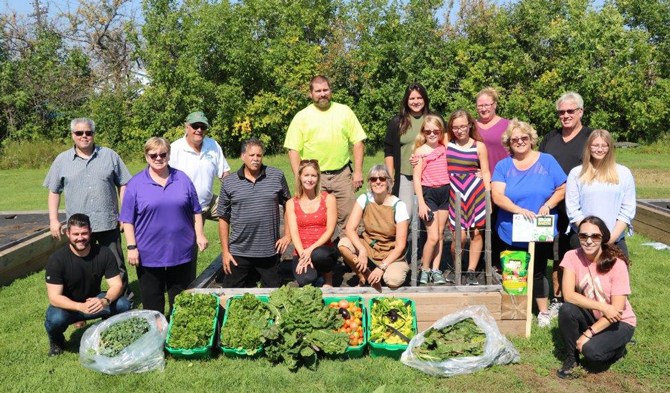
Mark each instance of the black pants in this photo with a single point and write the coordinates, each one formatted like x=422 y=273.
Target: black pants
x=323 y=259
x=267 y=268
x=112 y=240
x=543 y=252
x=154 y=281
x=574 y=320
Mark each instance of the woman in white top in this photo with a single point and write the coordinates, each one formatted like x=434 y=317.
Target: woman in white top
x=600 y=187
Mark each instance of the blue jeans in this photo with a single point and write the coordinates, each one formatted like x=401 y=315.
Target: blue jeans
x=57 y=319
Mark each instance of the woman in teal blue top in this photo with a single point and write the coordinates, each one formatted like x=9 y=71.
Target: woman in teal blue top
x=528 y=183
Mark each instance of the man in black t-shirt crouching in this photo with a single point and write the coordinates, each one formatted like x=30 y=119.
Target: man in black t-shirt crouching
x=73 y=277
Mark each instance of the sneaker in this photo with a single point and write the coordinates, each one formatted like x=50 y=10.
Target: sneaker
x=450 y=277
x=554 y=307
x=79 y=325
x=567 y=368
x=425 y=277
x=56 y=349
x=438 y=278
x=471 y=278
x=543 y=319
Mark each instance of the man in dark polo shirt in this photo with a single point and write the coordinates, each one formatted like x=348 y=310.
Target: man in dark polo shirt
x=73 y=278
x=566 y=144
x=249 y=203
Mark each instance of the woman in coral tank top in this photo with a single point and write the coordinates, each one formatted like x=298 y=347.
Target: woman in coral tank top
x=312 y=216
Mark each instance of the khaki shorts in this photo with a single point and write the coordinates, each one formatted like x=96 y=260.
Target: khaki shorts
x=395 y=273
x=210 y=212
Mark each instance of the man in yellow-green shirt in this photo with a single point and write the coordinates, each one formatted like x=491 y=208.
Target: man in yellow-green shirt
x=325 y=131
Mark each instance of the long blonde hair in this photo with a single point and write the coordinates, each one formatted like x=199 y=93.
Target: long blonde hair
x=603 y=172
x=298 y=184
x=429 y=119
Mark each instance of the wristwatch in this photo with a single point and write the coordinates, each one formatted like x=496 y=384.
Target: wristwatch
x=108 y=301
x=131 y=247
x=383 y=266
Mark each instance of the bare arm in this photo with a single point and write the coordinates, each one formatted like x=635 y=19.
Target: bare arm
x=388 y=161
x=115 y=288
x=226 y=173
x=416 y=174
x=351 y=229
x=200 y=238
x=484 y=164
x=224 y=234
x=292 y=222
x=555 y=199
x=57 y=299
x=129 y=233
x=53 y=202
x=359 y=152
x=294 y=158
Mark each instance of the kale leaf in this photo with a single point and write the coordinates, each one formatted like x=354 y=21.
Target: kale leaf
x=120 y=335
x=463 y=338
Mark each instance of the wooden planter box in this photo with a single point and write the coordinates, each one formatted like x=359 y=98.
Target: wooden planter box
x=652 y=219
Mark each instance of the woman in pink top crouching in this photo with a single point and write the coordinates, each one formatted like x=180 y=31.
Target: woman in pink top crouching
x=596 y=319
x=432 y=191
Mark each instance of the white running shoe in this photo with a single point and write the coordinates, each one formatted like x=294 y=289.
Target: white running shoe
x=543 y=319
x=554 y=307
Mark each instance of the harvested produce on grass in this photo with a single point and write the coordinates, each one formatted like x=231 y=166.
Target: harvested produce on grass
x=387 y=314
x=463 y=338
x=246 y=319
x=352 y=317
x=120 y=335
x=192 y=321
x=303 y=326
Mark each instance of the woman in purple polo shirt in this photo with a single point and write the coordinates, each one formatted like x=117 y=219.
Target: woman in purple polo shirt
x=162 y=222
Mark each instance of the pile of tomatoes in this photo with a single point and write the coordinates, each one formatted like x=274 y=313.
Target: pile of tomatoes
x=353 y=321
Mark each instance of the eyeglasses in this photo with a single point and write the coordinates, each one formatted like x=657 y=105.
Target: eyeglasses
x=82 y=133
x=375 y=179
x=431 y=132
x=154 y=156
x=523 y=139
x=600 y=147
x=198 y=126
x=568 y=111
x=595 y=237
x=483 y=106
x=309 y=162
x=460 y=128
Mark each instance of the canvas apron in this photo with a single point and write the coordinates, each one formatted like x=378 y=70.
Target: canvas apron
x=379 y=231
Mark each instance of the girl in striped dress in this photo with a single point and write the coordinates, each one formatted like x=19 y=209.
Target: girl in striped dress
x=432 y=191
x=466 y=155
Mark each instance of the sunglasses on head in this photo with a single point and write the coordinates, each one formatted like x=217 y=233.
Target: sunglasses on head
x=375 y=179
x=154 y=156
x=568 y=111
x=82 y=133
x=309 y=162
x=596 y=237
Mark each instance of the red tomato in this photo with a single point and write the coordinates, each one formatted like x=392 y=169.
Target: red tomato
x=354 y=325
x=344 y=304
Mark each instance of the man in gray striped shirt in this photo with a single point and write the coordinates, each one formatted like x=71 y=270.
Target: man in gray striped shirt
x=249 y=203
x=92 y=178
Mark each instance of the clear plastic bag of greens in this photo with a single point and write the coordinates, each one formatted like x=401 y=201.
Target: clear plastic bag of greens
x=496 y=349
x=130 y=342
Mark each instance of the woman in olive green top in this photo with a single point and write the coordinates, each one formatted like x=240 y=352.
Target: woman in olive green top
x=399 y=142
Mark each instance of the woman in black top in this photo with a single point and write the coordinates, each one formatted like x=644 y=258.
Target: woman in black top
x=399 y=141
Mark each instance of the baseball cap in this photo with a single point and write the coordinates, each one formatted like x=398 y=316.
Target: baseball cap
x=197 y=117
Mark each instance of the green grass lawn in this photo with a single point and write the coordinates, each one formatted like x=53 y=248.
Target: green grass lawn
x=26 y=368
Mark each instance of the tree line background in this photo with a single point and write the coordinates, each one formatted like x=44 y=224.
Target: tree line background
x=247 y=63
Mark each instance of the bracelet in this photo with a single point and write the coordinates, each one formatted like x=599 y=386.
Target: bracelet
x=592 y=332
x=548 y=207
x=108 y=301
x=584 y=334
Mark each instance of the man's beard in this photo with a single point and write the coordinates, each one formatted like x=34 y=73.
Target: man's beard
x=80 y=246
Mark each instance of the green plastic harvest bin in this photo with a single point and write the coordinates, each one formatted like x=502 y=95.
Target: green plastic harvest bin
x=193 y=353
x=358 y=351
x=389 y=350
x=235 y=352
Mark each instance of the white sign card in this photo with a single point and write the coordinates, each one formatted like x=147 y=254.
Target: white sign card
x=541 y=229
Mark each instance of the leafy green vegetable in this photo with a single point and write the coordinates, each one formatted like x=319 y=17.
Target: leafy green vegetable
x=303 y=326
x=463 y=338
x=247 y=318
x=120 y=335
x=387 y=313
x=192 y=321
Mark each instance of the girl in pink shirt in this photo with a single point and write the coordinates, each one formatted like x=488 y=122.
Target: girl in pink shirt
x=596 y=318
x=432 y=192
